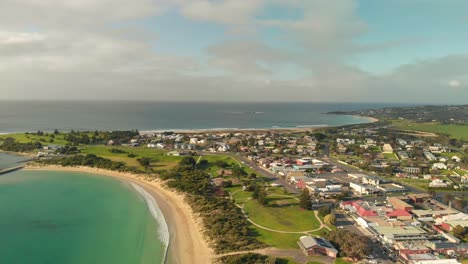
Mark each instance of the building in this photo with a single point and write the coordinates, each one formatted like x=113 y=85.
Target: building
x=439 y=166
x=400 y=214
x=359 y=207
x=403 y=154
x=412 y=170
x=438 y=183
x=394 y=234
x=362 y=189
x=419 y=197
x=314 y=245
x=399 y=204
x=372 y=180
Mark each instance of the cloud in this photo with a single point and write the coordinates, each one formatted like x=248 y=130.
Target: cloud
x=82 y=50
x=227 y=12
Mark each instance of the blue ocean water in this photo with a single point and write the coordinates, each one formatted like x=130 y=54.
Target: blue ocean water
x=22 y=116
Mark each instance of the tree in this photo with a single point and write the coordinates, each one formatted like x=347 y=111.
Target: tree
x=329 y=219
x=256 y=191
x=305 y=200
x=56 y=132
x=320 y=136
x=460 y=232
x=262 y=197
x=324 y=210
x=145 y=162
x=252 y=175
x=188 y=161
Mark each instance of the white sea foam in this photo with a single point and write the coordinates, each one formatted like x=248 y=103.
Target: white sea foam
x=163 y=230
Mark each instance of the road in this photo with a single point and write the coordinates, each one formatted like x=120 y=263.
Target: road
x=271 y=177
x=266 y=174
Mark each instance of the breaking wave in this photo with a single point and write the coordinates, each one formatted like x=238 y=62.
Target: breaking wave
x=163 y=230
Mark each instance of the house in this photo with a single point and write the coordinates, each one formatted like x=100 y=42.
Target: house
x=439 y=166
x=456 y=159
x=429 y=156
x=387 y=148
x=437 y=183
x=403 y=155
x=314 y=245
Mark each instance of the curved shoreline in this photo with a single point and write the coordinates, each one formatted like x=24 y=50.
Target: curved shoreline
x=186 y=243
x=155 y=211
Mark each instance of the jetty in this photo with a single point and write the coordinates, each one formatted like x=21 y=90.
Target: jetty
x=7 y=170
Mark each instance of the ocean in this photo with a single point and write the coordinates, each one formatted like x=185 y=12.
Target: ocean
x=30 y=116
x=68 y=217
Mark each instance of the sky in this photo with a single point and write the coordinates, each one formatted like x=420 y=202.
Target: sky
x=411 y=51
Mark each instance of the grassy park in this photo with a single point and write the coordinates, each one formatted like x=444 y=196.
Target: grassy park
x=452 y=130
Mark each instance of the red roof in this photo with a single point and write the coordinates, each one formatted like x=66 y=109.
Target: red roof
x=363 y=212
x=399 y=212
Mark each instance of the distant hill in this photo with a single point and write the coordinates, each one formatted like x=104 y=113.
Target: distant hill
x=445 y=114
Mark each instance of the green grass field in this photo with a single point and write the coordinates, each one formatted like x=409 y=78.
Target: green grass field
x=418 y=183
x=45 y=140
x=389 y=156
x=278 y=240
x=454 y=131
x=282 y=213
x=159 y=158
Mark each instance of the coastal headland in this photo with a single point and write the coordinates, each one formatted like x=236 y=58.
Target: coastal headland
x=187 y=244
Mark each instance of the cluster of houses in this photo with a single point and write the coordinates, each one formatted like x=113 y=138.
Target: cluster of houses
x=263 y=143
x=405 y=157
x=413 y=228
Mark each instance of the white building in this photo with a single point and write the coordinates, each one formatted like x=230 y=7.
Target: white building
x=438 y=183
x=362 y=189
x=439 y=166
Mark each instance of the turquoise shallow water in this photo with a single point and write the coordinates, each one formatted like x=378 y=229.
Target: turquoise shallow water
x=65 y=217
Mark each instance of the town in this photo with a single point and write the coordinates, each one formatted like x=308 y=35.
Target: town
x=403 y=191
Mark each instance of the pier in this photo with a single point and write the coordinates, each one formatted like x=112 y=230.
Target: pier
x=7 y=170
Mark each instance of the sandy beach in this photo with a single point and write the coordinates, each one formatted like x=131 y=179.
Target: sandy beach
x=187 y=244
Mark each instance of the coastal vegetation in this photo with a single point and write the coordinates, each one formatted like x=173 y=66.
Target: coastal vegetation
x=90 y=160
x=10 y=144
x=224 y=223
x=249 y=258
